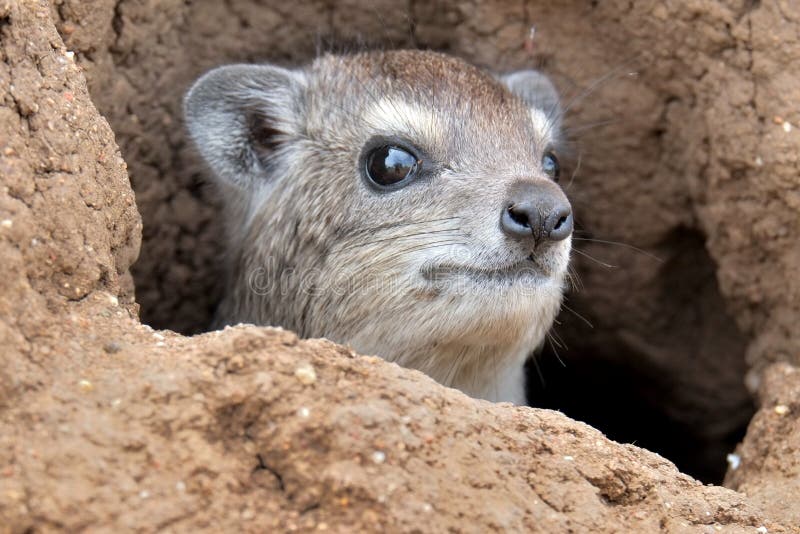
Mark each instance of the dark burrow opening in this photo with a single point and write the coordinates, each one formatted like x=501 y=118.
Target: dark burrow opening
x=625 y=405
x=675 y=386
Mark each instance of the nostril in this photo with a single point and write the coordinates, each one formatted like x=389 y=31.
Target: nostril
x=520 y=220
x=560 y=226
x=519 y=217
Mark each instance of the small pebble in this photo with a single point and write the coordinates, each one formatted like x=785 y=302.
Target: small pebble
x=7 y=223
x=85 y=385
x=568 y=458
x=180 y=486
x=236 y=363
x=112 y=347
x=304 y=412
x=762 y=530
x=781 y=409
x=759 y=162
x=787 y=126
x=306 y=374
x=144 y=494
x=734 y=461
x=378 y=457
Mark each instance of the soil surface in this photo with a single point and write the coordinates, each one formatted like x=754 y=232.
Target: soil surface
x=106 y=424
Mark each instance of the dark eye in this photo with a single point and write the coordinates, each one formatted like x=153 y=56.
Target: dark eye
x=550 y=165
x=389 y=165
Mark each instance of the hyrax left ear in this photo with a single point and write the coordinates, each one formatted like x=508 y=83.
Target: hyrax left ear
x=238 y=115
x=537 y=91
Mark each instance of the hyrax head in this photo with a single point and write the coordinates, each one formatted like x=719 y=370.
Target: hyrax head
x=404 y=202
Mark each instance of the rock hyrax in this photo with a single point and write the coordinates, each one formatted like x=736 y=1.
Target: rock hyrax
x=403 y=202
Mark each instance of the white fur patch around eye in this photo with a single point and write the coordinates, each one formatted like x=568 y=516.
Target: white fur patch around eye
x=404 y=118
x=543 y=125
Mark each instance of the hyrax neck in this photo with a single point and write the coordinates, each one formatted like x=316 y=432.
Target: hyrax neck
x=494 y=373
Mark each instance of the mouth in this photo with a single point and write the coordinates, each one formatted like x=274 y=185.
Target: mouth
x=526 y=270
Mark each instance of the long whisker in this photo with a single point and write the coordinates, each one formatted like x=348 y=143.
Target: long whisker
x=592 y=87
x=394 y=238
x=574 y=279
x=372 y=230
x=582 y=253
x=407 y=250
x=390 y=226
x=589 y=90
x=574 y=172
x=555 y=352
x=578 y=315
x=561 y=342
x=571 y=130
x=617 y=243
x=535 y=361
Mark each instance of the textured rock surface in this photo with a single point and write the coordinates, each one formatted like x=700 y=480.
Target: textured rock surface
x=107 y=424
x=769 y=468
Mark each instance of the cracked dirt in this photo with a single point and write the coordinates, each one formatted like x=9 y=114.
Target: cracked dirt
x=106 y=424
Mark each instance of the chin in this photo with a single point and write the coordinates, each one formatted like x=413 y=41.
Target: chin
x=498 y=312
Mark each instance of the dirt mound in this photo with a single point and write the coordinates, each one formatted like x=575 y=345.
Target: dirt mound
x=107 y=424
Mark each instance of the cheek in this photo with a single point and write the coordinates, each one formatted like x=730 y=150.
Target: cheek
x=562 y=254
x=556 y=262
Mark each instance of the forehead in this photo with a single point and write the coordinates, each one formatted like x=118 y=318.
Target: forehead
x=431 y=98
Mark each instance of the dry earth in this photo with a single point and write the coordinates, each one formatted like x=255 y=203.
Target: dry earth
x=106 y=424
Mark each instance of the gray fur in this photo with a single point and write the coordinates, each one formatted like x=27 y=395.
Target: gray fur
x=536 y=90
x=221 y=105
x=313 y=248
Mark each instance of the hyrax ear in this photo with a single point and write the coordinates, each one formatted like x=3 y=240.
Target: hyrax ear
x=238 y=115
x=536 y=90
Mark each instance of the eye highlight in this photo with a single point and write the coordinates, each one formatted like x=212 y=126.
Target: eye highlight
x=551 y=166
x=389 y=165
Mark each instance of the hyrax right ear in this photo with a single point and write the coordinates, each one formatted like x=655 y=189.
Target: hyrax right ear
x=537 y=91
x=238 y=115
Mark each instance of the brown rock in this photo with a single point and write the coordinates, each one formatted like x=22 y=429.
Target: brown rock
x=766 y=467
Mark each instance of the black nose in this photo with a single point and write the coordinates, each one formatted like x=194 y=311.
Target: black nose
x=542 y=213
